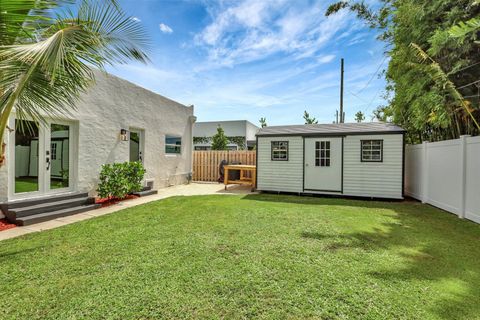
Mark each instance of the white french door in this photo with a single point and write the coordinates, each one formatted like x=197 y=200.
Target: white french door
x=41 y=158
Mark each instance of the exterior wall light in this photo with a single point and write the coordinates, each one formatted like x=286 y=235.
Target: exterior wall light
x=123 y=135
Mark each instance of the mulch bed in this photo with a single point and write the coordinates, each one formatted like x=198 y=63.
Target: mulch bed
x=5 y=225
x=106 y=202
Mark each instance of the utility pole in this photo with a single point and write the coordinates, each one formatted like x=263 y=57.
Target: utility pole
x=342 y=114
x=336 y=116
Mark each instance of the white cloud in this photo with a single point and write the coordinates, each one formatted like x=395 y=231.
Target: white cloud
x=326 y=59
x=136 y=19
x=251 y=30
x=165 y=28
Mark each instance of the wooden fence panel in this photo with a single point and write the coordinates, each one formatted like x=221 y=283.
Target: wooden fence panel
x=205 y=163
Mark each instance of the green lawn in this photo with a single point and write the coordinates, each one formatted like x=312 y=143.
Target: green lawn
x=26 y=184
x=256 y=256
x=30 y=184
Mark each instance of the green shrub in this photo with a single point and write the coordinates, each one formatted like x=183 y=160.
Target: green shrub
x=117 y=180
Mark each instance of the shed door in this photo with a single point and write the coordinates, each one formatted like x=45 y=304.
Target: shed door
x=323 y=164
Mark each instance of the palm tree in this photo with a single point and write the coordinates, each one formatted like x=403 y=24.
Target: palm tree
x=47 y=61
x=440 y=77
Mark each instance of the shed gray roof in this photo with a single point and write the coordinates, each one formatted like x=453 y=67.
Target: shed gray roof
x=330 y=129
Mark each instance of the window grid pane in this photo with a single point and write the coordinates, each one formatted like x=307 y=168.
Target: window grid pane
x=322 y=153
x=173 y=145
x=372 y=150
x=279 y=150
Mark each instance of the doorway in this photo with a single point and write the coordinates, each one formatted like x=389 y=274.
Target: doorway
x=136 y=145
x=323 y=164
x=41 y=158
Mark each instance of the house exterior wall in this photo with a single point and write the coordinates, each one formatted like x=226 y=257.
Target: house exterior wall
x=365 y=179
x=251 y=131
x=373 y=179
x=209 y=128
x=286 y=176
x=113 y=104
x=235 y=128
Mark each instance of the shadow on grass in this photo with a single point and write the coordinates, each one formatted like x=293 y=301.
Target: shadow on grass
x=438 y=247
x=9 y=254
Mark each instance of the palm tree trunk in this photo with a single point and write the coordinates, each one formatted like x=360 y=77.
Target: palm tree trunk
x=8 y=110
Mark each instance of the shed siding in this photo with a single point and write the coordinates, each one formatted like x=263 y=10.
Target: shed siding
x=284 y=176
x=373 y=179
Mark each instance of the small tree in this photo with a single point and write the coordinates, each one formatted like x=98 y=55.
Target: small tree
x=263 y=122
x=308 y=119
x=219 y=140
x=359 y=116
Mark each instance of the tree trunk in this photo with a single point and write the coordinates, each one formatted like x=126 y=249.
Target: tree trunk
x=2 y=154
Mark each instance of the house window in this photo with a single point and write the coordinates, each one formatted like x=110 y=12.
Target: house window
x=279 y=150
x=322 y=153
x=53 y=150
x=372 y=150
x=173 y=145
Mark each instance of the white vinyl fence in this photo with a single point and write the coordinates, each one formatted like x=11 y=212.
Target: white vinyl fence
x=446 y=174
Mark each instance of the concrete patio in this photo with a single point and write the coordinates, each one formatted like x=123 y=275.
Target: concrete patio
x=192 y=189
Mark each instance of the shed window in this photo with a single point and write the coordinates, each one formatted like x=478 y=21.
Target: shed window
x=322 y=153
x=53 y=151
x=279 y=150
x=372 y=150
x=173 y=144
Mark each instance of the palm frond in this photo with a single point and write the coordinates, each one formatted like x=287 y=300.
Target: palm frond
x=20 y=18
x=45 y=78
x=441 y=78
x=462 y=29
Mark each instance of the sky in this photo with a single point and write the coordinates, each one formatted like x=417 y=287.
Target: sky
x=247 y=59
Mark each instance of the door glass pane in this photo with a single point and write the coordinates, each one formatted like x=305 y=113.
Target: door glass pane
x=134 y=146
x=26 y=156
x=59 y=156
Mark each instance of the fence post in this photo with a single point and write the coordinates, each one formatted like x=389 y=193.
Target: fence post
x=463 y=173
x=425 y=174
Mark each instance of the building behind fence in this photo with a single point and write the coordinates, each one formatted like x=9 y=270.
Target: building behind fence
x=206 y=163
x=446 y=174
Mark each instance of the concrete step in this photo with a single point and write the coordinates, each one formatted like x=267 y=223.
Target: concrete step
x=47 y=207
x=145 y=193
x=46 y=216
x=31 y=202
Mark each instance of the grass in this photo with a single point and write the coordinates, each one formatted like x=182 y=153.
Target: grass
x=256 y=256
x=30 y=184
x=26 y=184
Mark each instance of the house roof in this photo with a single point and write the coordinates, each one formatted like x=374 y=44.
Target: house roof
x=330 y=129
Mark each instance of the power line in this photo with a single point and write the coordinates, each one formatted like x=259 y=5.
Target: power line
x=467 y=67
x=468 y=84
x=373 y=75
x=358 y=97
x=373 y=99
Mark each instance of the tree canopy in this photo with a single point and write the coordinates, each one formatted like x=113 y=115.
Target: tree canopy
x=308 y=119
x=433 y=81
x=263 y=122
x=359 y=116
x=219 y=140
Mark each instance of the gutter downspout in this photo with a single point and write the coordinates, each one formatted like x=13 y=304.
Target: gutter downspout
x=192 y=120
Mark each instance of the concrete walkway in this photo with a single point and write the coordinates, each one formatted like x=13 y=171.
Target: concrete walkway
x=181 y=190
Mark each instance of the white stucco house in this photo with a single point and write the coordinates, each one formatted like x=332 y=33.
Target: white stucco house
x=241 y=134
x=116 y=121
x=347 y=159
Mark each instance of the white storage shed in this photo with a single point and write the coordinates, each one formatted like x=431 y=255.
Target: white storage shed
x=350 y=159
